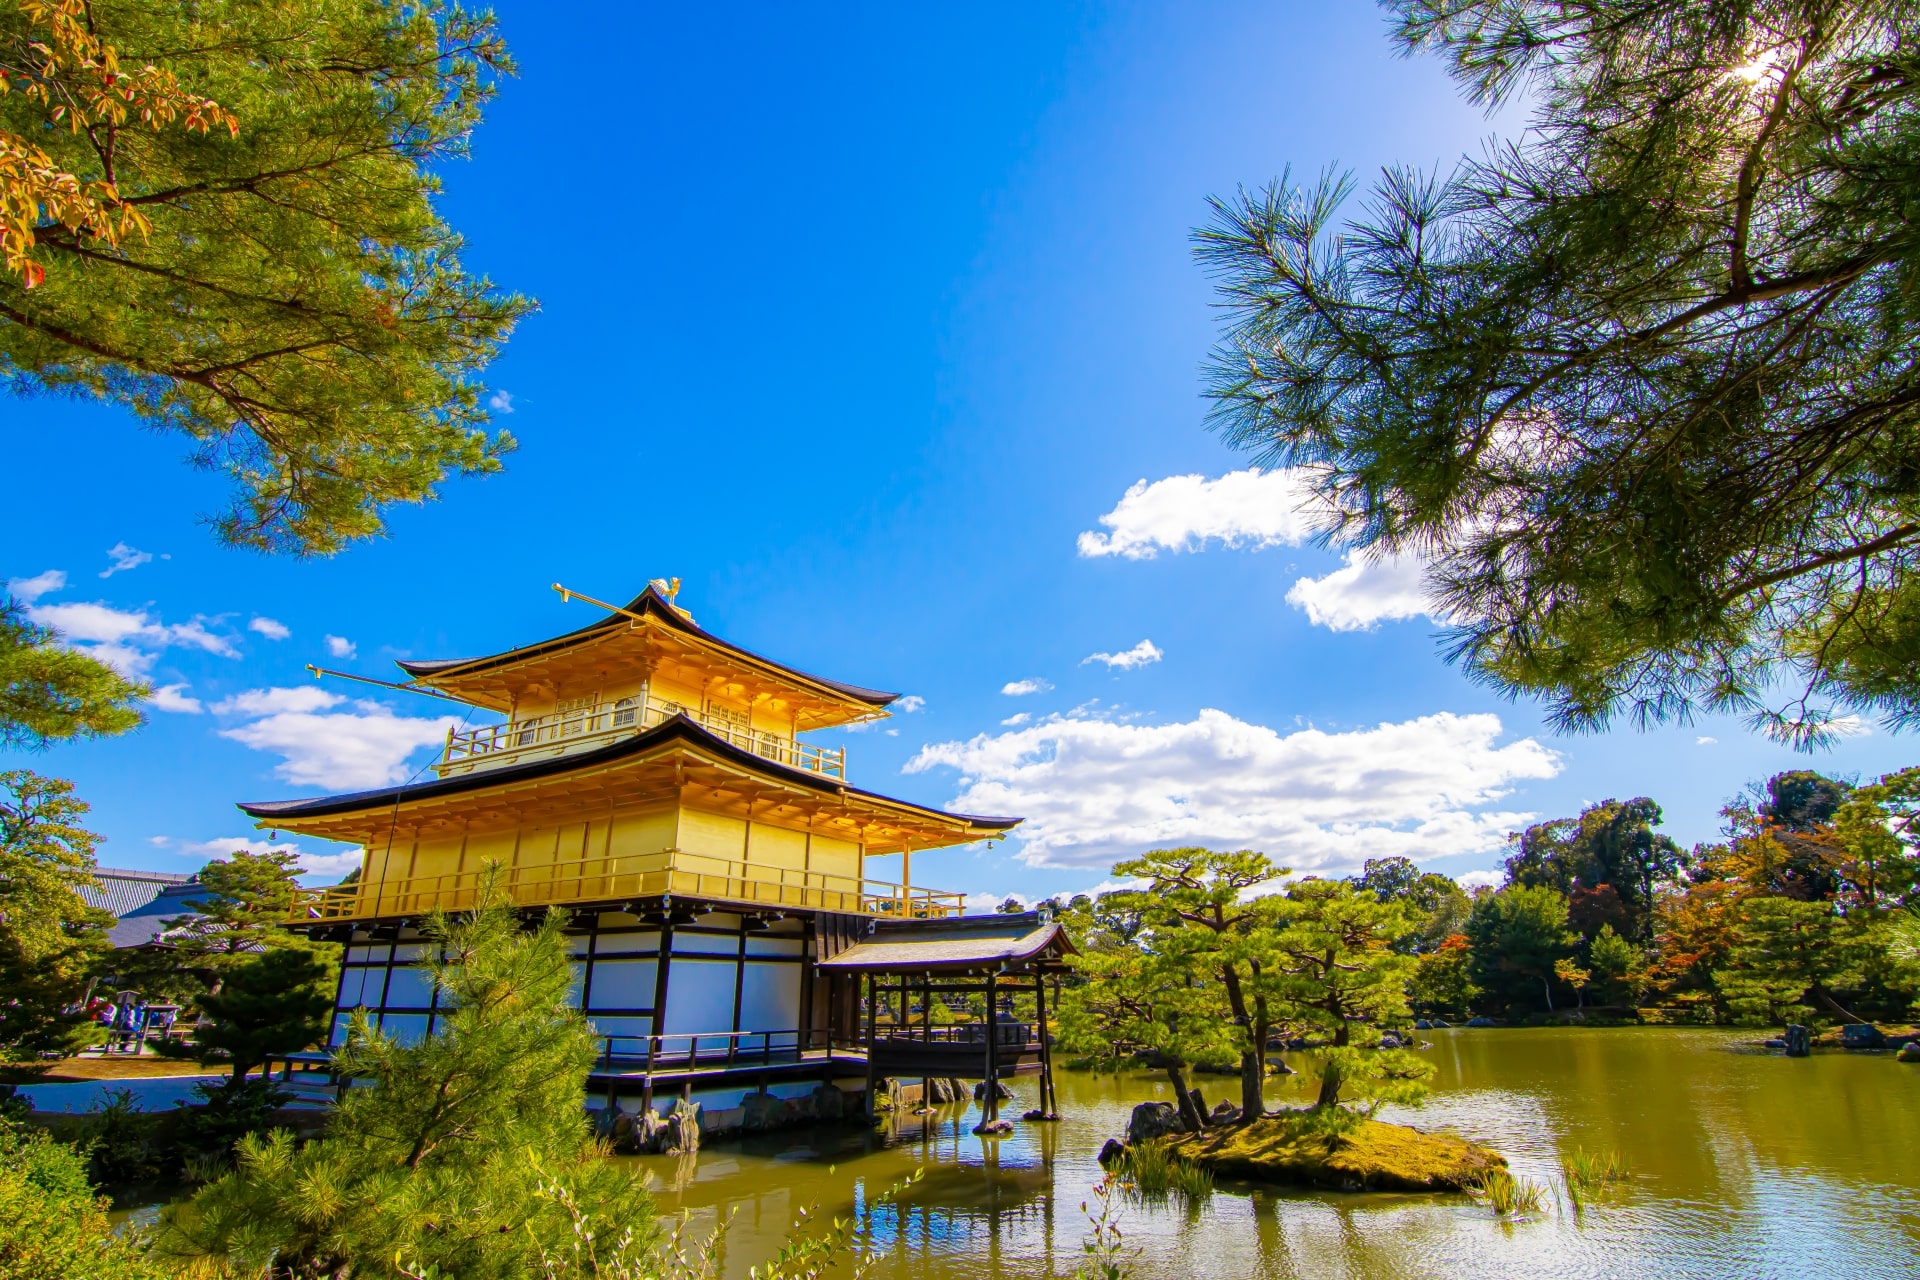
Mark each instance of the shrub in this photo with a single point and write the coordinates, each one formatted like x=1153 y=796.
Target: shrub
x=52 y=1225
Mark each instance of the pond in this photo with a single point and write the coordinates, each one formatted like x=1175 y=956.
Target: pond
x=1745 y=1164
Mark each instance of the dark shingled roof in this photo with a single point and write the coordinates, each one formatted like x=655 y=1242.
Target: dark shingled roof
x=678 y=727
x=959 y=943
x=122 y=891
x=651 y=604
x=144 y=924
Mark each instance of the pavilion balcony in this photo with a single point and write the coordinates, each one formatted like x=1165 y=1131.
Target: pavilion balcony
x=630 y=879
x=595 y=726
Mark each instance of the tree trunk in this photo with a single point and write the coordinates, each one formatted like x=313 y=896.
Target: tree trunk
x=1189 y=1115
x=1330 y=1083
x=1262 y=1028
x=1546 y=985
x=1820 y=994
x=1251 y=1101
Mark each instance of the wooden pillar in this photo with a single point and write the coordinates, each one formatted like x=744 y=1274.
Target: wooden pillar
x=872 y=1009
x=926 y=1035
x=1046 y=1054
x=990 y=1092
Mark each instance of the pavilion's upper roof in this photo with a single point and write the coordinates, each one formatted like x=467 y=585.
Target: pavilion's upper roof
x=678 y=761
x=631 y=643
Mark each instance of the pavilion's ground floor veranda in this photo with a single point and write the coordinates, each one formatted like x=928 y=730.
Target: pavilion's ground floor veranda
x=716 y=1005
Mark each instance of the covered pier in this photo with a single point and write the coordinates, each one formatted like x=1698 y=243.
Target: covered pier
x=908 y=963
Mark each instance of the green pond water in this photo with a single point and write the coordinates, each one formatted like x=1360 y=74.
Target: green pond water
x=1745 y=1164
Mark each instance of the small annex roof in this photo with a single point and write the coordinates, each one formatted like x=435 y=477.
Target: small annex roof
x=123 y=891
x=666 y=756
x=959 y=944
x=650 y=607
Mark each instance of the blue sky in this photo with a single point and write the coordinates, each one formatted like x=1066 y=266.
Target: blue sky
x=860 y=322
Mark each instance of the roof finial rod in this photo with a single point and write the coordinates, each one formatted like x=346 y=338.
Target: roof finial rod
x=384 y=684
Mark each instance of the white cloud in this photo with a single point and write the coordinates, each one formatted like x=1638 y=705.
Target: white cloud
x=311 y=864
x=1371 y=587
x=121 y=557
x=1704 y=741
x=501 y=402
x=1021 y=688
x=340 y=646
x=266 y=702
x=1094 y=790
x=1471 y=880
x=1184 y=513
x=1139 y=656
x=1848 y=727
x=321 y=744
x=173 y=697
x=269 y=628
x=31 y=589
x=911 y=703
x=1017 y=718
x=128 y=640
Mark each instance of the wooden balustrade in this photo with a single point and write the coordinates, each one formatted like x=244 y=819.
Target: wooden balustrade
x=597 y=725
x=673 y=871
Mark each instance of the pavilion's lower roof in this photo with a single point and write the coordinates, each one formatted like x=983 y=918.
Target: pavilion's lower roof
x=677 y=761
x=957 y=944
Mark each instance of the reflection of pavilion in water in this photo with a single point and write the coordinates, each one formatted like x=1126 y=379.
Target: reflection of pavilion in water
x=651 y=779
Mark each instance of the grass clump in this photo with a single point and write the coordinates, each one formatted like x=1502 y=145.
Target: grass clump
x=1509 y=1196
x=1590 y=1173
x=1154 y=1171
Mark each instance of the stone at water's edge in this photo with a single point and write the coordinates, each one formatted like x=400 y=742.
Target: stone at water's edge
x=1152 y=1120
x=1370 y=1156
x=1224 y=1112
x=1909 y=1052
x=1112 y=1152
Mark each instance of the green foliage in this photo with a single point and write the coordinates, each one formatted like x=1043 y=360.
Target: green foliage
x=125 y=1144
x=1140 y=1001
x=1438 y=903
x=448 y=1158
x=1208 y=929
x=49 y=937
x=1442 y=980
x=1614 y=965
x=1638 y=385
x=1786 y=954
x=296 y=309
x=1371 y=1078
x=1104 y=1248
x=276 y=1002
x=52 y=1225
x=1610 y=862
x=1335 y=960
x=49 y=693
x=1517 y=935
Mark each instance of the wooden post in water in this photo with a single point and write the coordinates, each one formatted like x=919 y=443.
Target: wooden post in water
x=1047 y=1111
x=990 y=1090
x=926 y=1036
x=872 y=1009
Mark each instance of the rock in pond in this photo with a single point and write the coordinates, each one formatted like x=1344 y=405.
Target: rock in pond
x=1301 y=1149
x=1152 y=1120
x=1481 y=1022
x=1224 y=1112
x=1909 y=1052
x=1112 y=1152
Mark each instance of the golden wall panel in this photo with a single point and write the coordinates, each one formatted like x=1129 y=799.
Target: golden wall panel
x=776 y=847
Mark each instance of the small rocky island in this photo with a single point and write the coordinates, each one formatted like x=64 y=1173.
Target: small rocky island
x=1313 y=1148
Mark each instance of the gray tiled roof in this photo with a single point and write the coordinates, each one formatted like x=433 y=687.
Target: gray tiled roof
x=968 y=942
x=122 y=891
x=145 y=923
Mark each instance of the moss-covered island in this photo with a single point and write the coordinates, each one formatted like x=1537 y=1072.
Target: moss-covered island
x=1303 y=1150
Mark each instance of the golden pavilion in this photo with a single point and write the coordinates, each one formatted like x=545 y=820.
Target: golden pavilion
x=653 y=779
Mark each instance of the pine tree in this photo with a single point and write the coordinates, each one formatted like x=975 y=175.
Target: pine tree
x=50 y=693
x=1639 y=386
x=234 y=238
x=279 y=1001
x=50 y=938
x=459 y=1152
